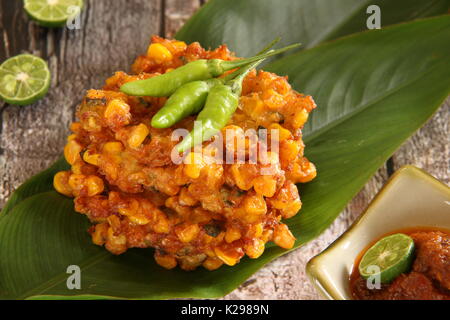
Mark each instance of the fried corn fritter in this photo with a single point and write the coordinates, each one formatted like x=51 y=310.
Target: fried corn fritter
x=196 y=212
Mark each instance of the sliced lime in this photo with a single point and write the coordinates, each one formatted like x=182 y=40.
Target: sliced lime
x=24 y=79
x=388 y=258
x=52 y=13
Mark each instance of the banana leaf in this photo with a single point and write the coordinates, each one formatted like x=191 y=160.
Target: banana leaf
x=246 y=25
x=373 y=89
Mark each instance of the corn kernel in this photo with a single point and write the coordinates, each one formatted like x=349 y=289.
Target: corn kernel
x=265 y=186
x=72 y=151
x=267 y=235
x=95 y=185
x=125 y=211
x=138 y=135
x=283 y=134
x=287 y=200
x=166 y=261
x=92 y=125
x=200 y=215
x=179 y=45
x=186 y=199
x=100 y=233
x=289 y=150
x=114 y=222
x=210 y=252
x=254 y=105
x=76 y=182
x=232 y=234
x=227 y=258
x=189 y=263
x=117 y=112
x=273 y=99
x=239 y=177
x=187 y=233
x=193 y=165
x=310 y=176
x=113 y=147
x=61 y=183
x=255 y=231
x=300 y=118
x=75 y=127
x=255 y=205
x=212 y=264
x=116 y=244
x=254 y=249
x=121 y=239
x=283 y=237
x=171 y=202
x=291 y=209
x=159 y=53
x=160 y=222
x=91 y=158
x=139 y=219
x=304 y=171
x=131 y=209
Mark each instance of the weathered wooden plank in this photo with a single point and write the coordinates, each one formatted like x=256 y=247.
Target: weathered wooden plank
x=112 y=34
x=177 y=12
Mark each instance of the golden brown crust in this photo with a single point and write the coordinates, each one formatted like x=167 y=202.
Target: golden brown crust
x=199 y=213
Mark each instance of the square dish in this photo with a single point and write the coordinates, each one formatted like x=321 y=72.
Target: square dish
x=411 y=198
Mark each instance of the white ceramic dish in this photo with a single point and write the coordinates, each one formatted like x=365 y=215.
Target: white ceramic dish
x=411 y=198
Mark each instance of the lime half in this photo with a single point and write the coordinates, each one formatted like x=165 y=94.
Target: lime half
x=52 y=13
x=388 y=258
x=24 y=79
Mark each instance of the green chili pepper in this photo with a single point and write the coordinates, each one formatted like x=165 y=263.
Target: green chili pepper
x=190 y=98
x=166 y=84
x=221 y=103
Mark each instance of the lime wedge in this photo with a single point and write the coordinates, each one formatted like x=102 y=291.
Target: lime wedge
x=24 y=79
x=52 y=13
x=388 y=258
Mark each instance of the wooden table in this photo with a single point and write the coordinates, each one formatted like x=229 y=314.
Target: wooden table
x=32 y=137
